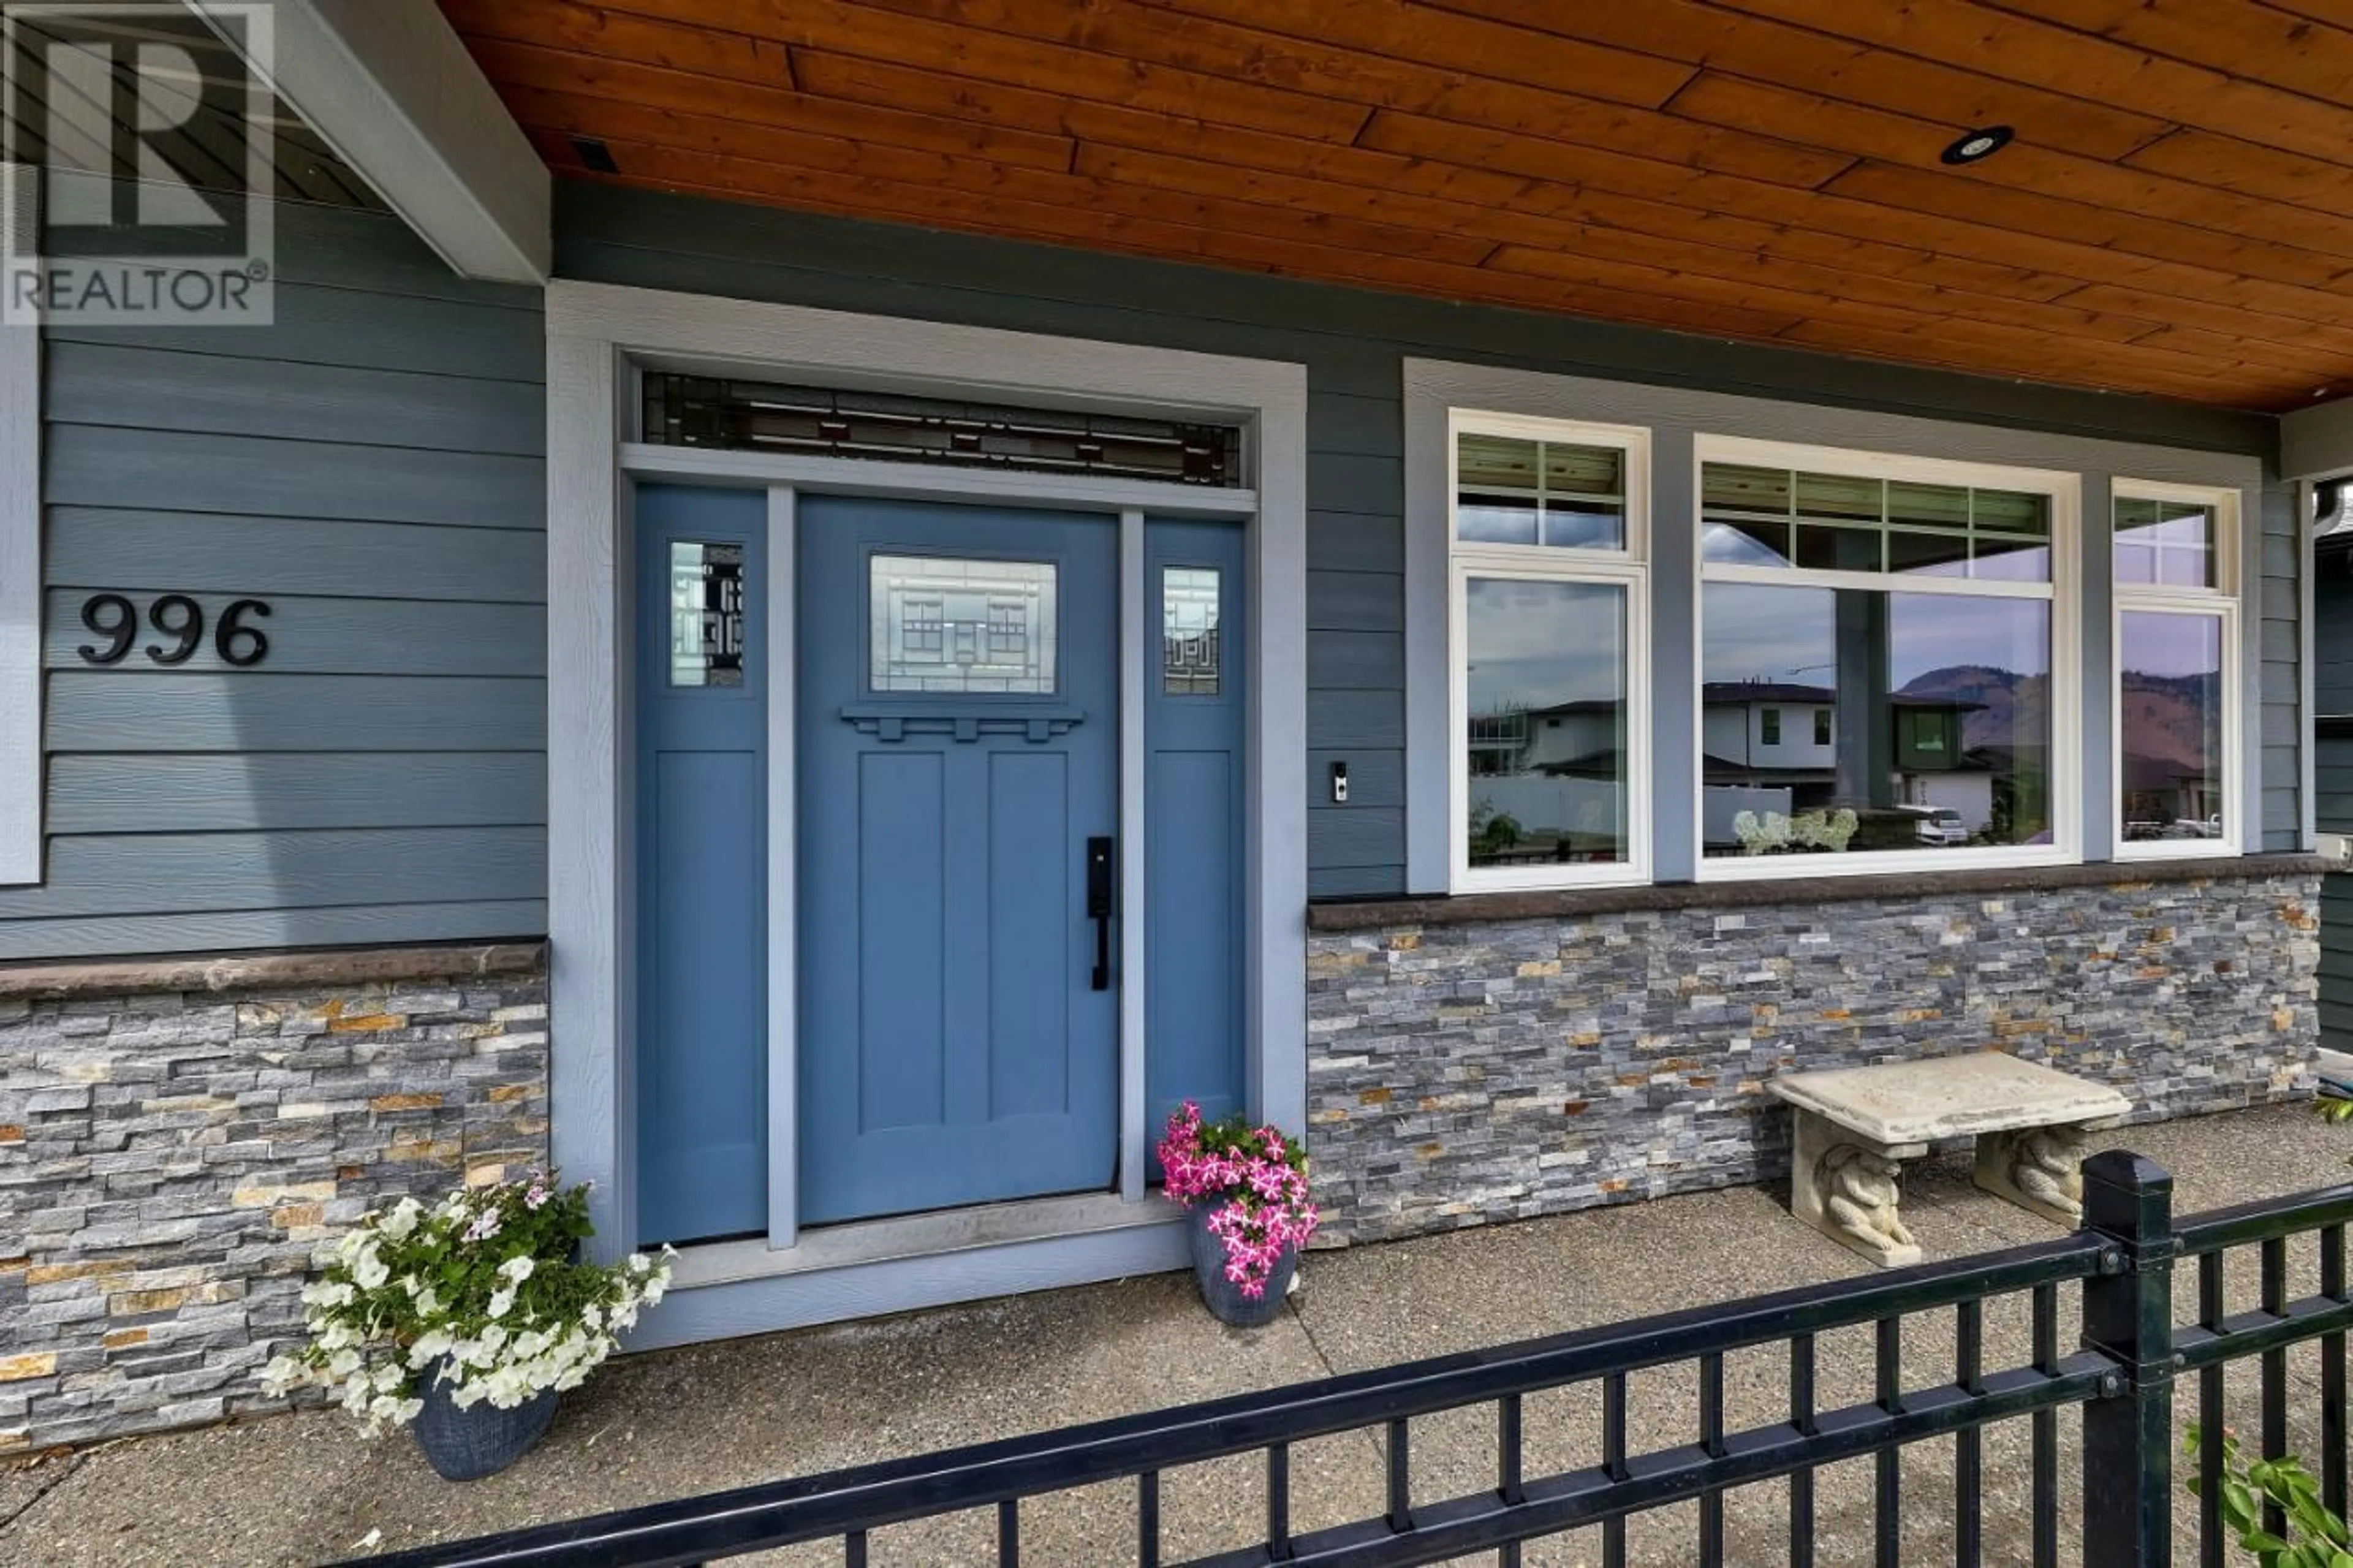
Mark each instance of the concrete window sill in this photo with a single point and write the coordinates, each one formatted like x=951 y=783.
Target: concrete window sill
x=1369 y=914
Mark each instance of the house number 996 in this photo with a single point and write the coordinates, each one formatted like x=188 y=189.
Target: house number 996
x=180 y=620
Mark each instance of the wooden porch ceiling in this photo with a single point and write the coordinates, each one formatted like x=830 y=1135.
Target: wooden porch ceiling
x=2175 y=216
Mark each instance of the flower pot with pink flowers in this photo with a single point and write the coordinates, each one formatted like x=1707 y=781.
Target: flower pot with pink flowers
x=1244 y=1189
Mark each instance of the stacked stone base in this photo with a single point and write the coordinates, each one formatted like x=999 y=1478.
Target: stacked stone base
x=1465 y=1073
x=170 y=1159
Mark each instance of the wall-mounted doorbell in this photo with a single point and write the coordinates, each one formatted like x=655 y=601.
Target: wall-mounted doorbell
x=1339 y=783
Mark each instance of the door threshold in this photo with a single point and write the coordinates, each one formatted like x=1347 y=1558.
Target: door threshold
x=930 y=1234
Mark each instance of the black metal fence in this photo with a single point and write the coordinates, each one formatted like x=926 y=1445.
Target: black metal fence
x=2120 y=1373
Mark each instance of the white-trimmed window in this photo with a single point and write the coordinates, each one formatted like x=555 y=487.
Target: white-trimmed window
x=1549 y=633
x=2177 y=657
x=1908 y=625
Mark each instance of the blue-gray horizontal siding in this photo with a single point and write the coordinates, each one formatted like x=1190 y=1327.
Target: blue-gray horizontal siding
x=371 y=465
x=2278 y=602
x=1352 y=342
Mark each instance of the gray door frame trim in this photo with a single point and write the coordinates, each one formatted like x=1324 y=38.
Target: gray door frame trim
x=597 y=335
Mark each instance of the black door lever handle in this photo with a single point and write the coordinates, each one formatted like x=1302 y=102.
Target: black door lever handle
x=1101 y=869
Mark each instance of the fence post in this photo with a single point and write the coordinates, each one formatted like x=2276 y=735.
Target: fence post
x=2128 y=1314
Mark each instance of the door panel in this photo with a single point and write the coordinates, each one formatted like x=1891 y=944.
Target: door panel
x=958 y=744
x=1031 y=980
x=702 y=1035
x=904 y=946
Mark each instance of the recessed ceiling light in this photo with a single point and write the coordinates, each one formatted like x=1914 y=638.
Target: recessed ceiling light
x=594 y=155
x=1982 y=142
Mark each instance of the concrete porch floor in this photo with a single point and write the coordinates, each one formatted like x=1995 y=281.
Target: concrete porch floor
x=299 y=1488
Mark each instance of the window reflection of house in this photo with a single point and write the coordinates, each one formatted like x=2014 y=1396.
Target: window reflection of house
x=1774 y=746
x=1545 y=783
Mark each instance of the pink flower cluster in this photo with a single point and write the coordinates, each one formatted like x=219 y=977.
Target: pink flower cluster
x=1261 y=1179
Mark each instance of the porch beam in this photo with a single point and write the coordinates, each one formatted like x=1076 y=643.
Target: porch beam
x=2317 y=442
x=391 y=88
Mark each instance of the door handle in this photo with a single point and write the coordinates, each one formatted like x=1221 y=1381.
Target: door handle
x=1100 y=871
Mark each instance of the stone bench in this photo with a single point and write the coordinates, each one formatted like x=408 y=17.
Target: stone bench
x=1857 y=1125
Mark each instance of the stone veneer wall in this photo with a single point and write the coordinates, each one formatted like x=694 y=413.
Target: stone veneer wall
x=1462 y=1073
x=172 y=1155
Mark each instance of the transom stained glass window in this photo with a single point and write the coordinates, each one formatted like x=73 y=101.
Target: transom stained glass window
x=835 y=422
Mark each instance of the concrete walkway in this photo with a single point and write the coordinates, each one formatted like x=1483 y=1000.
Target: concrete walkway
x=299 y=1488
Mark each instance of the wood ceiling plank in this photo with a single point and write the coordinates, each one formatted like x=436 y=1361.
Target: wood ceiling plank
x=2246 y=40
x=2314 y=363
x=2321 y=336
x=618 y=34
x=1528 y=229
x=1912 y=142
x=2025 y=49
x=2230 y=387
x=874 y=82
x=793 y=151
x=2004 y=345
x=523 y=67
x=2025 y=212
x=1839 y=69
x=1910 y=209
x=2230 y=164
x=2336 y=13
x=738 y=179
x=988 y=56
x=1351 y=58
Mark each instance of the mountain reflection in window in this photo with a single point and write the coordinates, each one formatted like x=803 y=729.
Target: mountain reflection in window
x=1926 y=717
x=2169 y=692
x=1545 y=669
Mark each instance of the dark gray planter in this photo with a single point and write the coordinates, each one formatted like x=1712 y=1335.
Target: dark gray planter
x=480 y=1440
x=1226 y=1301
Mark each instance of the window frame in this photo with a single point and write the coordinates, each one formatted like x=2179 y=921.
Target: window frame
x=2063 y=593
x=1626 y=568
x=2221 y=603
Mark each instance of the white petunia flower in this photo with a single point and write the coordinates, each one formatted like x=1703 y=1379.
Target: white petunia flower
x=518 y=1268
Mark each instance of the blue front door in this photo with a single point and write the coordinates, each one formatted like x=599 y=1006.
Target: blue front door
x=702 y=783
x=958 y=737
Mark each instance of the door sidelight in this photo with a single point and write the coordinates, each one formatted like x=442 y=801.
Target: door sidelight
x=1100 y=871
